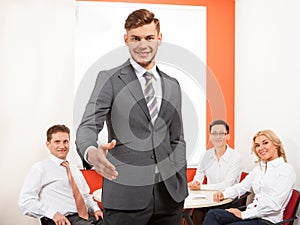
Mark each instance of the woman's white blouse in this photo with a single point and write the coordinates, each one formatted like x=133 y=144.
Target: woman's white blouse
x=272 y=183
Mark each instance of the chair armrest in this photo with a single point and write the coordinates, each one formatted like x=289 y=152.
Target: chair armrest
x=240 y=202
x=242 y=208
x=287 y=220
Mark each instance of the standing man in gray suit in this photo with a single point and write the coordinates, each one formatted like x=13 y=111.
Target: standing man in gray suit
x=144 y=161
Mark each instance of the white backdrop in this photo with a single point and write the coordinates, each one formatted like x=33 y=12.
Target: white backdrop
x=36 y=89
x=268 y=75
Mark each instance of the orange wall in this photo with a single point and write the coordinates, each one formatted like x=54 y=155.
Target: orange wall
x=220 y=56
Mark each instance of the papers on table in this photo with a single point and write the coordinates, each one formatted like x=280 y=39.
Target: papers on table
x=195 y=196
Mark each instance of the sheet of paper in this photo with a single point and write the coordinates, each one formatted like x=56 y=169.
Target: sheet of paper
x=192 y=196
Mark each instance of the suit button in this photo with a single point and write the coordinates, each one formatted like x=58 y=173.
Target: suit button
x=152 y=156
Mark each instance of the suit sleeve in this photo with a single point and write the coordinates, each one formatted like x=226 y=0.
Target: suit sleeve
x=177 y=136
x=95 y=114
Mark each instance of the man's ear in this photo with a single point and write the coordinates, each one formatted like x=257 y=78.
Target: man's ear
x=159 y=38
x=125 y=39
x=228 y=137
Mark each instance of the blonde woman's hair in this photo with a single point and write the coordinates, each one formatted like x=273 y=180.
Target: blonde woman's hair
x=274 y=139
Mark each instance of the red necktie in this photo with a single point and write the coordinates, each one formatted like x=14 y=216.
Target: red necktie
x=80 y=205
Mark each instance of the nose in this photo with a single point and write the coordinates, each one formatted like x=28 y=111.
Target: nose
x=142 y=43
x=61 y=145
x=260 y=147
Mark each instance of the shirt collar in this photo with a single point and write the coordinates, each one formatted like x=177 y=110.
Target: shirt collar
x=139 y=70
x=274 y=163
x=56 y=160
x=226 y=155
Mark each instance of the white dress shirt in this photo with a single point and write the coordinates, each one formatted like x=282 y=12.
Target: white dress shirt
x=47 y=190
x=156 y=82
x=221 y=173
x=272 y=184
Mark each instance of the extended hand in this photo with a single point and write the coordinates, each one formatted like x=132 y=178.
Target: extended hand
x=194 y=185
x=97 y=156
x=235 y=212
x=60 y=219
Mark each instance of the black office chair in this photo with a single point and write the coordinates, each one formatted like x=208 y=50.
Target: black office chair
x=239 y=202
x=47 y=221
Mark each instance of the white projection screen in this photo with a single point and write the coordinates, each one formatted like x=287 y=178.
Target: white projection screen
x=99 y=45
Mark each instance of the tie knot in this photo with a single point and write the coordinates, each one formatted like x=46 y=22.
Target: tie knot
x=65 y=164
x=148 y=75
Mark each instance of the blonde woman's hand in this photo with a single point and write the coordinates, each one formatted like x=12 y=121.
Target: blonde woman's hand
x=235 y=212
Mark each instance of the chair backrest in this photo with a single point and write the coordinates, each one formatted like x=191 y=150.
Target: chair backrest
x=93 y=179
x=292 y=207
x=243 y=175
x=190 y=173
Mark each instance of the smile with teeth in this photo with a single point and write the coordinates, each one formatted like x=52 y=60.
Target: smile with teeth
x=262 y=152
x=142 y=54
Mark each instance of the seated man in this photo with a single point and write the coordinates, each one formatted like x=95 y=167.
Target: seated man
x=221 y=164
x=56 y=189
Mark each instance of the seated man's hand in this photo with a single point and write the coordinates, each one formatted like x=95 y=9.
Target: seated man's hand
x=60 y=219
x=98 y=214
x=194 y=185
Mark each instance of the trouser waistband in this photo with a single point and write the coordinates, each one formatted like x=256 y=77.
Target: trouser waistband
x=158 y=178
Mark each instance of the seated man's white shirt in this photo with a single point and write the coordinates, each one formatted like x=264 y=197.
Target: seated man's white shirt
x=47 y=190
x=221 y=173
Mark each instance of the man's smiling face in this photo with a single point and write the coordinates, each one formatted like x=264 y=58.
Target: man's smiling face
x=143 y=43
x=59 y=145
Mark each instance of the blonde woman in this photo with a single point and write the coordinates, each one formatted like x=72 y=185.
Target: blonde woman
x=272 y=181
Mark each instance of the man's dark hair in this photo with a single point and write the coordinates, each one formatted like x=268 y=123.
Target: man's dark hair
x=219 y=122
x=55 y=129
x=139 y=18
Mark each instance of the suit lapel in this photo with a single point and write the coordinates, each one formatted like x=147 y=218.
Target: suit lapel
x=166 y=92
x=128 y=76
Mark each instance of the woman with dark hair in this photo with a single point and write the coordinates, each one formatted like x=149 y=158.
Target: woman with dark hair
x=272 y=182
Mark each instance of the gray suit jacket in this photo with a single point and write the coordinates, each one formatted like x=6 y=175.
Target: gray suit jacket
x=118 y=99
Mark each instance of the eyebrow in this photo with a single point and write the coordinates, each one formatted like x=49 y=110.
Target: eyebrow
x=266 y=139
x=134 y=35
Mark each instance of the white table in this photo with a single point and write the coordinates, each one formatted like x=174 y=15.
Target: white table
x=200 y=200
